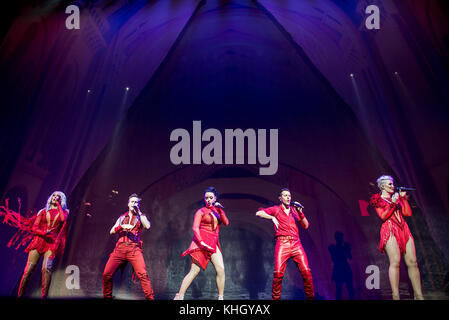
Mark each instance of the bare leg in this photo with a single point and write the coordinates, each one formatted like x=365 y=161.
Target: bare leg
x=217 y=261
x=413 y=270
x=194 y=270
x=394 y=255
x=33 y=259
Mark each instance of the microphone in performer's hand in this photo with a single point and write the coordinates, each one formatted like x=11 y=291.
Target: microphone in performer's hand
x=404 y=189
x=218 y=204
x=297 y=204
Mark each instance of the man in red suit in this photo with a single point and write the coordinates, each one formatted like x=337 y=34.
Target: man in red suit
x=128 y=248
x=288 y=245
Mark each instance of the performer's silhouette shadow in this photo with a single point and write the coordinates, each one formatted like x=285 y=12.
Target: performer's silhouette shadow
x=342 y=274
x=255 y=276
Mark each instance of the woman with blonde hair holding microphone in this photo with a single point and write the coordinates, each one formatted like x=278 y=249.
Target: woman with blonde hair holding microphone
x=395 y=237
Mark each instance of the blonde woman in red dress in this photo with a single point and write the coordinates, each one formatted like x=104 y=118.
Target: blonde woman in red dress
x=49 y=230
x=395 y=237
x=205 y=245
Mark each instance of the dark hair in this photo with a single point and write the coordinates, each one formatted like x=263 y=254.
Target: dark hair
x=213 y=190
x=134 y=195
x=282 y=190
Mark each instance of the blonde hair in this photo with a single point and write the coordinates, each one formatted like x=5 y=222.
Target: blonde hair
x=382 y=179
x=63 y=200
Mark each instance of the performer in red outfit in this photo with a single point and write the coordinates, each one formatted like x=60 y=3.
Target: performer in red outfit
x=128 y=248
x=205 y=246
x=288 y=245
x=395 y=236
x=49 y=229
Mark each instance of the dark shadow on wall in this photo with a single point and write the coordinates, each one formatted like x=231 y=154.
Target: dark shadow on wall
x=254 y=275
x=342 y=274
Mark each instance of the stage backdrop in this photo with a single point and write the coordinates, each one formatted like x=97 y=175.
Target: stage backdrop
x=229 y=73
x=237 y=103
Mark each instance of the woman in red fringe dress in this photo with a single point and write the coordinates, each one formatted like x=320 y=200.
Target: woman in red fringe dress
x=47 y=231
x=205 y=246
x=395 y=236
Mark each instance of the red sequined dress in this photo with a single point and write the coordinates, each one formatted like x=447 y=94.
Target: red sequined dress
x=392 y=215
x=49 y=231
x=43 y=231
x=206 y=227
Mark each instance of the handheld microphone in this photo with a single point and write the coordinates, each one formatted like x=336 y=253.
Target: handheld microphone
x=217 y=204
x=404 y=189
x=297 y=204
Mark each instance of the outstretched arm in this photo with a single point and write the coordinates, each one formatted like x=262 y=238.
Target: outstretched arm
x=264 y=215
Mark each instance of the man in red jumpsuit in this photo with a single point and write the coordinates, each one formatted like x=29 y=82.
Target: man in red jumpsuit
x=128 y=248
x=288 y=245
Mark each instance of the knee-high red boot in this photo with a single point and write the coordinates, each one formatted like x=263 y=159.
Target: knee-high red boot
x=27 y=272
x=276 y=288
x=308 y=285
x=46 y=279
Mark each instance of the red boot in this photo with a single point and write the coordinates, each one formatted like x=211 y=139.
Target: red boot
x=29 y=268
x=46 y=279
x=308 y=285
x=276 y=288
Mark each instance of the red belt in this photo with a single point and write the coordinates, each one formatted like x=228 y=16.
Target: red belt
x=286 y=238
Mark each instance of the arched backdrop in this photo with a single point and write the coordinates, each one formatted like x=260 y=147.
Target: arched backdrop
x=237 y=64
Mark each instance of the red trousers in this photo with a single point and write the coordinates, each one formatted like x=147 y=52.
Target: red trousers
x=132 y=253
x=285 y=249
